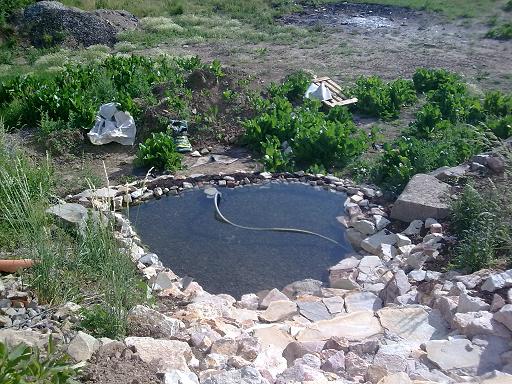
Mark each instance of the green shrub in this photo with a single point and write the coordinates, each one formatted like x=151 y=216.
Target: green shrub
x=24 y=364
x=313 y=136
x=274 y=158
x=448 y=146
x=159 y=151
x=376 y=98
x=508 y=6
x=502 y=128
x=293 y=88
x=498 y=104
x=501 y=32
x=426 y=80
x=74 y=94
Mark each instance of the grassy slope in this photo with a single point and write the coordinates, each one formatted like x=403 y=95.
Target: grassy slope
x=245 y=9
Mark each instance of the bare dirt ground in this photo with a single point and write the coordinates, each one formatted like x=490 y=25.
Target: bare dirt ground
x=364 y=39
x=360 y=39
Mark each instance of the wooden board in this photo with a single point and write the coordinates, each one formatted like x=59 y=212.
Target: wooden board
x=337 y=97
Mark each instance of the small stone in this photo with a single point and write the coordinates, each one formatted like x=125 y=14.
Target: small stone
x=169 y=354
x=479 y=323
x=381 y=222
x=471 y=304
x=273 y=295
x=82 y=347
x=358 y=301
x=278 y=310
x=423 y=197
x=498 y=281
x=402 y=240
x=225 y=346
x=314 y=310
x=187 y=185
x=175 y=376
x=504 y=316
x=335 y=363
x=436 y=228
x=373 y=244
x=497 y=303
x=334 y=304
x=366 y=227
x=355 y=365
x=397 y=286
x=354 y=326
x=249 y=301
x=195 y=154
x=417 y=275
x=414 y=228
x=429 y=221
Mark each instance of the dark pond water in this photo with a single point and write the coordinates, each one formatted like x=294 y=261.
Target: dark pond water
x=185 y=234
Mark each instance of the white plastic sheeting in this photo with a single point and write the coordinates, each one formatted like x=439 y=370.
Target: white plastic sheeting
x=113 y=125
x=320 y=92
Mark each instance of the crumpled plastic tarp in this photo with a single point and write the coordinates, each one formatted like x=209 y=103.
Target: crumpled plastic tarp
x=113 y=125
x=320 y=92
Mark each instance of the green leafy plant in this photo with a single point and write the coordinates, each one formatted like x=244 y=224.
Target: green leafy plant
x=293 y=87
x=313 y=136
x=73 y=95
x=24 y=364
x=426 y=80
x=498 y=104
x=216 y=68
x=159 y=151
x=380 y=99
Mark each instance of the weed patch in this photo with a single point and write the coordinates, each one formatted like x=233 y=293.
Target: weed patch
x=483 y=230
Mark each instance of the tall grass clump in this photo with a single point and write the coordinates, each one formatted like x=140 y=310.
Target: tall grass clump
x=84 y=264
x=483 y=228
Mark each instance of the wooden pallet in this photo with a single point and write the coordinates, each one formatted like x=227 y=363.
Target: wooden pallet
x=337 y=96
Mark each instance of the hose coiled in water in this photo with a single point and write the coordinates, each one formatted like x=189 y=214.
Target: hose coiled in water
x=216 y=200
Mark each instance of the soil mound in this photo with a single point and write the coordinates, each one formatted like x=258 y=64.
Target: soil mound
x=50 y=22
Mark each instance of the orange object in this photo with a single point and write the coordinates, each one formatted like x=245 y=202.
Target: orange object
x=12 y=266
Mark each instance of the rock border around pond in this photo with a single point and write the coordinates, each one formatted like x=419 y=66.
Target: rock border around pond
x=384 y=318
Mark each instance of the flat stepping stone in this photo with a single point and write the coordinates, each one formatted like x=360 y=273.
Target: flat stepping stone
x=313 y=310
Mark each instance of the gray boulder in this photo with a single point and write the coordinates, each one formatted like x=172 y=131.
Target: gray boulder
x=50 y=22
x=71 y=213
x=424 y=197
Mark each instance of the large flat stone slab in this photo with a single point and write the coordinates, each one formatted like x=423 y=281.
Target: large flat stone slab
x=354 y=326
x=413 y=324
x=454 y=354
x=424 y=197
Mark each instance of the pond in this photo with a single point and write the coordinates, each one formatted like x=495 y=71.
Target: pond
x=188 y=238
